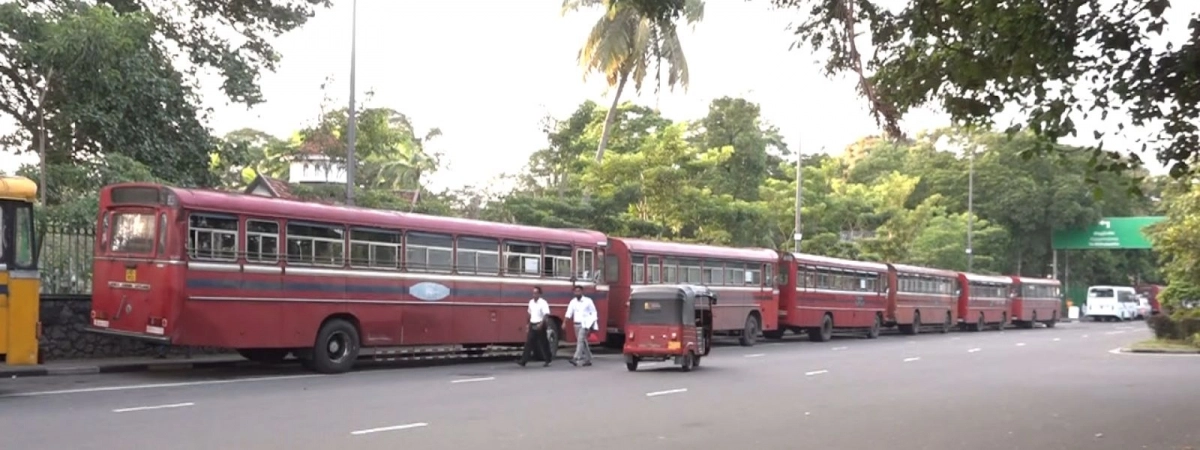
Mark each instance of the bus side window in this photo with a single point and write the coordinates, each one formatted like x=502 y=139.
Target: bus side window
x=557 y=262
x=584 y=264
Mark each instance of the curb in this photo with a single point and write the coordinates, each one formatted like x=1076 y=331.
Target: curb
x=1160 y=351
x=120 y=368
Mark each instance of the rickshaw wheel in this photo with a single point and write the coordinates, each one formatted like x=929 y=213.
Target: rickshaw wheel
x=695 y=361
x=689 y=359
x=631 y=363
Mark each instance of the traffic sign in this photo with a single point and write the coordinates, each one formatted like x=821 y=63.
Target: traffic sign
x=1107 y=233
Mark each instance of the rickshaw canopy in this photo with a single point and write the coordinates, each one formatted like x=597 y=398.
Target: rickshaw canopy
x=668 y=304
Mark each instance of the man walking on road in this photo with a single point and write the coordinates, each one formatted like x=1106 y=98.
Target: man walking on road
x=582 y=311
x=535 y=338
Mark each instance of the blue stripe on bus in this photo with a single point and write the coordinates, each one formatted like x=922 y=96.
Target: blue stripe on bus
x=207 y=283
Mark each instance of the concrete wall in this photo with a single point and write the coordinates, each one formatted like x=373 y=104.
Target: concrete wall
x=63 y=336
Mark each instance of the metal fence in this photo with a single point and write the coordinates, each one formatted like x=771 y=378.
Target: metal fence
x=66 y=259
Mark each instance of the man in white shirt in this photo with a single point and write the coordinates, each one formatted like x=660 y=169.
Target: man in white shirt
x=535 y=338
x=582 y=311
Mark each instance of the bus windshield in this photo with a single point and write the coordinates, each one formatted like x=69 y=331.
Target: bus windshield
x=132 y=232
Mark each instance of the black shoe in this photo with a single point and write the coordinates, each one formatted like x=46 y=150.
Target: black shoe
x=587 y=364
x=521 y=363
x=573 y=363
x=547 y=364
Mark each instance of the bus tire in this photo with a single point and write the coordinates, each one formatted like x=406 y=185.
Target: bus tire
x=554 y=337
x=631 y=363
x=980 y=325
x=823 y=333
x=750 y=331
x=916 y=324
x=687 y=361
x=873 y=332
x=336 y=349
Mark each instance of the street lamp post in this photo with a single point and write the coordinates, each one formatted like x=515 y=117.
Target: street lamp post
x=799 y=232
x=970 y=205
x=351 y=122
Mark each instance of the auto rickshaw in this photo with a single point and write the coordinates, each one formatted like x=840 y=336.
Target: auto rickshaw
x=669 y=322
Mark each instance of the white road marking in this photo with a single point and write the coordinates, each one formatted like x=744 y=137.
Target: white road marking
x=1020 y=344
x=974 y=350
x=838 y=348
x=1085 y=336
x=155 y=386
x=147 y=408
x=473 y=380
x=1057 y=339
x=955 y=338
x=815 y=372
x=1114 y=332
x=406 y=426
x=672 y=391
x=1115 y=351
x=918 y=358
x=756 y=355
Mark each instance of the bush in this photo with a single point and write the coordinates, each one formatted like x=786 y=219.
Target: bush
x=1164 y=326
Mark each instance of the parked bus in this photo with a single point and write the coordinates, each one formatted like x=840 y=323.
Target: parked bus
x=1036 y=300
x=742 y=278
x=20 y=285
x=819 y=294
x=270 y=277
x=920 y=296
x=984 y=301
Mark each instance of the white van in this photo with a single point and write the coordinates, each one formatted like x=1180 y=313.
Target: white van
x=1111 y=303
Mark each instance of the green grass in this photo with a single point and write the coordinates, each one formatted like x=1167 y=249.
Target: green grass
x=1165 y=345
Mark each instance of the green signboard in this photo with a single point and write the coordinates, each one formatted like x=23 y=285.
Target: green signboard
x=1107 y=233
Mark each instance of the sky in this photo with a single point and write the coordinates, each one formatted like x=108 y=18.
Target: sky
x=487 y=72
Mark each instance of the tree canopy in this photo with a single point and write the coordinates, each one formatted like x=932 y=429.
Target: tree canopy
x=1048 y=60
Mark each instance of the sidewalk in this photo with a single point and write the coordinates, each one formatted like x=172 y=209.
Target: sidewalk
x=114 y=365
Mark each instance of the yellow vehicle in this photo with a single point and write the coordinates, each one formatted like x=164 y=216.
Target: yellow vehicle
x=19 y=280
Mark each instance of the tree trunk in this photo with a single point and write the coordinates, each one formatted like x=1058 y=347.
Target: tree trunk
x=608 y=119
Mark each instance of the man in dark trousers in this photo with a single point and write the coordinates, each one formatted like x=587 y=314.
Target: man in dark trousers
x=535 y=338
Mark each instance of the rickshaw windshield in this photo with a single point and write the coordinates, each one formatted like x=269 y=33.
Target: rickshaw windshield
x=655 y=310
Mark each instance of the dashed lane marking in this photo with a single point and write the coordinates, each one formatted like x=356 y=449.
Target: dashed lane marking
x=1020 y=344
x=473 y=380
x=973 y=350
x=668 y=392
x=407 y=426
x=156 y=386
x=147 y=408
x=838 y=348
x=815 y=372
x=1057 y=339
x=917 y=358
x=756 y=355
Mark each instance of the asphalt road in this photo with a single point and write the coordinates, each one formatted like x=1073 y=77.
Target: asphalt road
x=1040 y=389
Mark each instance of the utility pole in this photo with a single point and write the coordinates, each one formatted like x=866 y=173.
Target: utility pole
x=970 y=206
x=351 y=123
x=799 y=232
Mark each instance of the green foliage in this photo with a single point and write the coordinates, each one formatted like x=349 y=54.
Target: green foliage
x=73 y=200
x=1177 y=241
x=724 y=179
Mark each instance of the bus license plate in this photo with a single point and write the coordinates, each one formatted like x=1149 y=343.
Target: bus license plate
x=672 y=346
x=130 y=275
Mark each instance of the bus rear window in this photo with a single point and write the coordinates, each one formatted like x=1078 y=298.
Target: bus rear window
x=132 y=233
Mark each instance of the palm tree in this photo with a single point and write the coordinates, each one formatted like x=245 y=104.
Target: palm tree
x=626 y=43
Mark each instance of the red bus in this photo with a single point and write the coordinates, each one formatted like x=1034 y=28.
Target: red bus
x=742 y=278
x=270 y=277
x=984 y=300
x=1036 y=300
x=920 y=296
x=819 y=294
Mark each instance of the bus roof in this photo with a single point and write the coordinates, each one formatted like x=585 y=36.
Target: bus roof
x=686 y=250
x=907 y=269
x=268 y=207
x=18 y=188
x=803 y=258
x=1034 y=280
x=987 y=278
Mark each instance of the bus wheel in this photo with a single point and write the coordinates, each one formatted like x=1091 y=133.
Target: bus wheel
x=336 y=349
x=873 y=332
x=824 y=333
x=264 y=355
x=554 y=336
x=947 y=324
x=749 y=332
x=916 y=325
